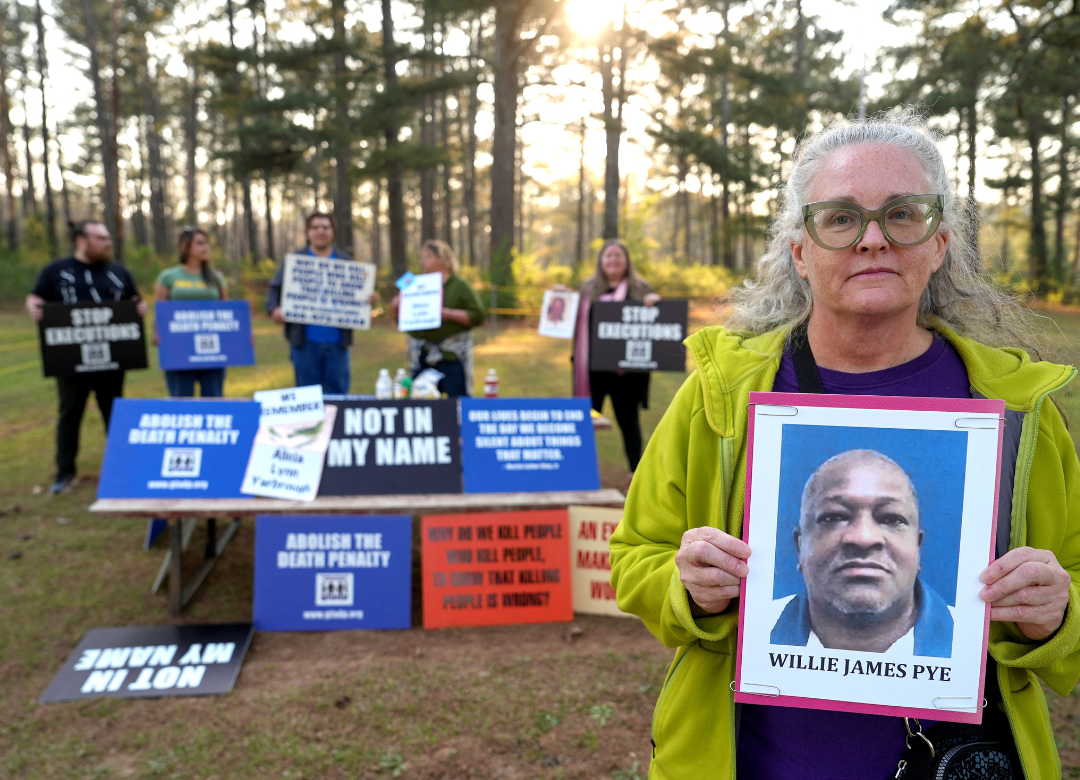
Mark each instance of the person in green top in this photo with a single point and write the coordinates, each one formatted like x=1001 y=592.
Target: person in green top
x=193 y=278
x=448 y=348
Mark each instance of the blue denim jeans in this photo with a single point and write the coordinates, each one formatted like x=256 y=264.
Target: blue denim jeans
x=319 y=363
x=181 y=384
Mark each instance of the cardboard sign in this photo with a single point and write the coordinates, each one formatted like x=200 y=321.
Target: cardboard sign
x=287 y=457
x=327 y=291
x=393 y=447
x=420 y=306
x=204 y=334
x=630 y=336
x=147 y=662
x=558 y=314
x=590 y=529
x=177 y=448
x=528 y=444
x=879 y=508
x=497 y=568
x=81 y=338
x=317 y=573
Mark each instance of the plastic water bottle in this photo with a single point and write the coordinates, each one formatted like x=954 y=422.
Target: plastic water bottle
x=491 y=384
x=399 y=385
x=384 y=386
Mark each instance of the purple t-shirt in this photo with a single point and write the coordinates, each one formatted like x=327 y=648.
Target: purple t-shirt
x=779 y=743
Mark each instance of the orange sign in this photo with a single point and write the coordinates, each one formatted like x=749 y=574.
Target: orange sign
x=496 y=568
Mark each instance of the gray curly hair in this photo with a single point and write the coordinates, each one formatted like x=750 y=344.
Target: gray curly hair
x=960 y=295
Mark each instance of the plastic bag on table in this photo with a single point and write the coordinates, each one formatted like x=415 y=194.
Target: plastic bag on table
x=426 y=385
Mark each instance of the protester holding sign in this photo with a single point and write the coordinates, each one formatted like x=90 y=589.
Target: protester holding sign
x=614 y=280
x=449 y=348
x=869 y=287
x=89 y=275
x=320 y=354
x=192 y=279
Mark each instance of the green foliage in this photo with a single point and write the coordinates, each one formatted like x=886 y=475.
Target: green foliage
x=545 y=721
x=601 y=713
x=393 y=763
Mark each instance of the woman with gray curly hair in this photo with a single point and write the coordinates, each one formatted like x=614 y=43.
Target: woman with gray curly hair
x=869 y=287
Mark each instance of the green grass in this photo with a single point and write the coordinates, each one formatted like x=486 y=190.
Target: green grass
x=512 y=701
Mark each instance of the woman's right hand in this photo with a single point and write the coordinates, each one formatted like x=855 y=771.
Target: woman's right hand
x=711 y=565
x=277 y=316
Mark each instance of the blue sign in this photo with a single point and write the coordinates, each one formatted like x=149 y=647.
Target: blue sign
x=527 y=444
x=177 y=448
x=204 y=334
x=317 y=572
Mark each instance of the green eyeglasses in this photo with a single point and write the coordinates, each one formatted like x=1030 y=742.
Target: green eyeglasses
x=906 y=221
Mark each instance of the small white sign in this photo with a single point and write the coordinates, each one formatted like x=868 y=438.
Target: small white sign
x=291 y=405
x=558 y=314
x=420 y=307
x=287 y=458
x=327 y=291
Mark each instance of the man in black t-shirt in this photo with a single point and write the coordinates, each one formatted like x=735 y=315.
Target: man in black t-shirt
x=89 y=275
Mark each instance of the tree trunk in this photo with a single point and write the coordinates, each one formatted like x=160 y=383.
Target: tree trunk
x=376 y=227
x=114 y=123
x=65 y=198
x=30 y=204
x=447 y=195
x=191 y=139
x=579 y=244
x=395 y=203
x=1037 y=248
x=684 y=196
x=137 y=181
x=6 y=133
x=154 y=165
x=428 y=218
x=973 y=204
x=43 y=69
x=268 y=214
x=1062 y=199
x=104 y=123
x=343 y=201
x=506 y=75
x=469 y=194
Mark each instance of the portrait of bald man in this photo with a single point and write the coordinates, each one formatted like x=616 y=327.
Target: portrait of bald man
x=859 y=539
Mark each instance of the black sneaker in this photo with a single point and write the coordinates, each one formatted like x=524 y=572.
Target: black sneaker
x=62 y=485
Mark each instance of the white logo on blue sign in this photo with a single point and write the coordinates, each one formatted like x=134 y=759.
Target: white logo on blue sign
x=333 y=590
x=181 y=462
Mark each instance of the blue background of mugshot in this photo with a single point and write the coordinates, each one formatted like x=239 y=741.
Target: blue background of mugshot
x=935 y=461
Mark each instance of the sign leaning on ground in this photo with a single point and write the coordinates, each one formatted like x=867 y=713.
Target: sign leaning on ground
x=590 y=529
x=204 y=334
x=141 y=662
x=630 y=336
x=527 y=444
x=496 y=568
x=327 y=291
x=177 y=448
x=393 y=447
x=85 y=338
x=315 y=573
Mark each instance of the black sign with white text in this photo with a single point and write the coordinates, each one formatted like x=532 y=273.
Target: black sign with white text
x=85 y=338
x=141 y=662
x=630 y=336
x=393 y=447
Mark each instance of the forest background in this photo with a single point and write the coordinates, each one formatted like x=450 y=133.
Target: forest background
x=522 y=132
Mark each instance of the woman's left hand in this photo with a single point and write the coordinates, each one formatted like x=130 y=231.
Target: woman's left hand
x=651 y=299
x=1030 y=588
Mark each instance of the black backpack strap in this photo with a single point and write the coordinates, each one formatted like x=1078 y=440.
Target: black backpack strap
x=806 y=370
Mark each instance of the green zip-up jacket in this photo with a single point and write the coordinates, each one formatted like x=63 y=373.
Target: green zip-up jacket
x=693 y=474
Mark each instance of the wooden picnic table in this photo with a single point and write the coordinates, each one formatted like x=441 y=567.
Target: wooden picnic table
x=175 y=510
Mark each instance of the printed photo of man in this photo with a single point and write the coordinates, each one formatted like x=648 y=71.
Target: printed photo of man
x=859 y=540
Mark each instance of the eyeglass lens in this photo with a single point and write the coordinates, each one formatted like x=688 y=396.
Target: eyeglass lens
x=906 y=223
